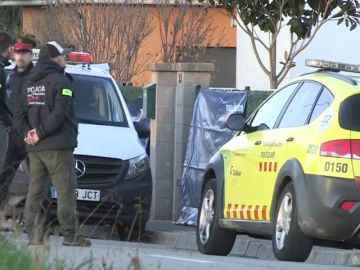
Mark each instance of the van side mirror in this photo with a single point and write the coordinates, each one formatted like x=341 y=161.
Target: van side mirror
x=236 y=121
x=142 y=130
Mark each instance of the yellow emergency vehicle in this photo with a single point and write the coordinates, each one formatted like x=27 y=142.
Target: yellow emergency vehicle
x=292 y=172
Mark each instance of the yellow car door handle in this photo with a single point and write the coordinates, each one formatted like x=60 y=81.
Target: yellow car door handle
x=290 y=139
x=257 y=142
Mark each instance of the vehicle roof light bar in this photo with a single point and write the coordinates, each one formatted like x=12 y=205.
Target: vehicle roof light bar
x=332 y=66
x=79 y=57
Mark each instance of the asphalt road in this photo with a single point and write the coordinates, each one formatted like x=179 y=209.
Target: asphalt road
x=125 y=255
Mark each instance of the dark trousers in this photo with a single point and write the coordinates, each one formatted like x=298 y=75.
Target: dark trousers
x=4 y=184
x=58 y=165
x=15 y=154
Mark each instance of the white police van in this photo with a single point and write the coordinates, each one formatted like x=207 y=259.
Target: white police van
x=114 y=182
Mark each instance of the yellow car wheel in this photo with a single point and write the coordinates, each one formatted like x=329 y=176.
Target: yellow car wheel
x=210 y=238
x=289 y=243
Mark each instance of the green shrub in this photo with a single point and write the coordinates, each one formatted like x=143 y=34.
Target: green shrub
x=255 y=98
x=130 y=93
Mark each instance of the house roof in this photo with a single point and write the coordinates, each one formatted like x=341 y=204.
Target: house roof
x=42 y=2
x=22 y=3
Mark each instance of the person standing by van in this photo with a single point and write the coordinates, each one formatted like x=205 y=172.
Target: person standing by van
x=6 y=46
x=46 y=114
x=16 y=150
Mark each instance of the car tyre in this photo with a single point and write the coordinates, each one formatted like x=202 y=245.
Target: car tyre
x=210 y=238
x=289 y=243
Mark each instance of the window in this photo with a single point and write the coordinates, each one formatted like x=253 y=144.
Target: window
x=270 y=110
x=97 y=101
x=324 y=101
x=301 y=105
x=349 y=113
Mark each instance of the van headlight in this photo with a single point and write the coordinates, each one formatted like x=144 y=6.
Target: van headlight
x=137 y=166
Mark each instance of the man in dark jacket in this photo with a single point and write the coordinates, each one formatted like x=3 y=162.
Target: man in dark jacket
x=16 y=151
x=6 y=44
x=50 y=128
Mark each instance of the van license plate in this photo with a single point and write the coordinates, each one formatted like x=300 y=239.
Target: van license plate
x=81 y=194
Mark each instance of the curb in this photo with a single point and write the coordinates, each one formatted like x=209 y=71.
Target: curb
x=258 y=248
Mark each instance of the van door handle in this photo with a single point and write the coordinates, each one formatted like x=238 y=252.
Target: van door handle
x=290 y=139
x=257 y=142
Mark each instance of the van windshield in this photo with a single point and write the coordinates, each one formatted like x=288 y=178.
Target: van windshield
x=97 y=101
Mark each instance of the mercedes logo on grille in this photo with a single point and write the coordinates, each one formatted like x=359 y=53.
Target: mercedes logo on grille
x=80 y=168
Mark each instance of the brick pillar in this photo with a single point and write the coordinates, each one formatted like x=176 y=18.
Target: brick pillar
x=175 y=96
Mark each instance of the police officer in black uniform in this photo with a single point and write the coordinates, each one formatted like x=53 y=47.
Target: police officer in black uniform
x=46 y=115
x=16 y=151
x=6 y=46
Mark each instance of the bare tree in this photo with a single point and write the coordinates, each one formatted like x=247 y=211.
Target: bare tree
x=112 y=32
x=10 y=18
x=185 y=29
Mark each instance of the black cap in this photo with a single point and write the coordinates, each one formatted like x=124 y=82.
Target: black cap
x=5 y=41
x=50 y=50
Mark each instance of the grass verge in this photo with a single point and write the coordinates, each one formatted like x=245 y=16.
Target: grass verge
x=14 y=257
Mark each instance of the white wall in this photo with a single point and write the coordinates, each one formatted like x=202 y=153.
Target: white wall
x=332 y=42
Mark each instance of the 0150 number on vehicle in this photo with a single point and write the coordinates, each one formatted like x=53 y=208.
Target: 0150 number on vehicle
x=336 y=167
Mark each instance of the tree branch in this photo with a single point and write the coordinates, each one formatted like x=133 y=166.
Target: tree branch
x=304 y=44
x=255 y=49
x=250 y=33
